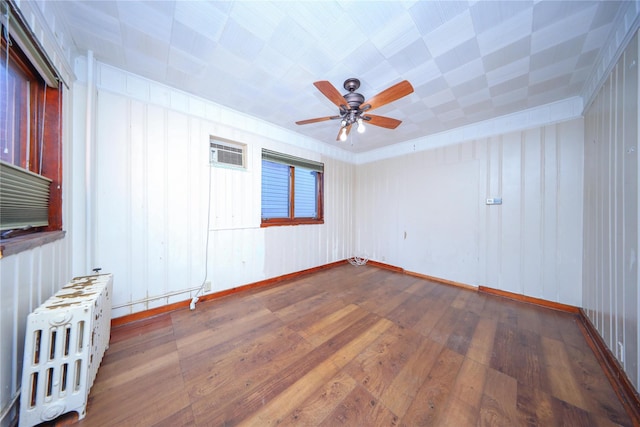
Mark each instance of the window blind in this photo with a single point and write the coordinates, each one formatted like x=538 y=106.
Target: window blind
x=24 y=198
x=305 y=204
x=275 y=190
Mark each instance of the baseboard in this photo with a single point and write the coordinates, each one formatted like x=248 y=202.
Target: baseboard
x=421 y=276
x=385 y=266
x=440 y=280
x=624 y=389
x=119 y=321
x=531 y=300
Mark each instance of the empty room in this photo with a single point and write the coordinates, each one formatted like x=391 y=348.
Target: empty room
x=319 y=213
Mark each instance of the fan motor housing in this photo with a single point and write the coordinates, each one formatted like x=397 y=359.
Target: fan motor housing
x=354 y=99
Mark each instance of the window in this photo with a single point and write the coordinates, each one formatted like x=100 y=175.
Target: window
x=225 y=152
x=30 y=132
x=292 y=190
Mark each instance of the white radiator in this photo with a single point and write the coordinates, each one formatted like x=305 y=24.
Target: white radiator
x=65 y=340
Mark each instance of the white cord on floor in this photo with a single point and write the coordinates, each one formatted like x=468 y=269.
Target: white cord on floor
x=358 y=261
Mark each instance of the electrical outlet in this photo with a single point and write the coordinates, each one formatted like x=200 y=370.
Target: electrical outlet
x=207 y=286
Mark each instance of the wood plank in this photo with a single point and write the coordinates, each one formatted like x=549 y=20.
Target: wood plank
x=332 y=324
x=403 y=389
x=430 y=402
x=462 y=332
x=360 y=408
x=377 y=365
x=482 y=343
x=499 y=401
x=562 y=382
x=321 y=402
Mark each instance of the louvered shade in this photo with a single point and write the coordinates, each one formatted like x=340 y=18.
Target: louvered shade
x=24 y=198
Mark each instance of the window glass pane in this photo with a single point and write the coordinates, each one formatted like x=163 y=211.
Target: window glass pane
x=275 y=190
x=305 y=205
x=13 y=108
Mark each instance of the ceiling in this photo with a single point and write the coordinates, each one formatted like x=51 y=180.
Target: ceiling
x=467 y=61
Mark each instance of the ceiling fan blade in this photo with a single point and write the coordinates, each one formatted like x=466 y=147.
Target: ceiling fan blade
x=388 y=95
x=348 y=129
x=319 y=119
x=331 y=93
x=385 y=122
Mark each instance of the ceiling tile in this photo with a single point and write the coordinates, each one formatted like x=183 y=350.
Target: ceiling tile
x=259 y=18
x=568 y=49
x=395 y=35
x=567 y=28
x=466 y=72
x=512 y=52
x=152 y=18
x=200 y=17
x=450 y=34
x=547 y=13
x=192 y=42
x=488 y=15
x=458 y=56
x=509 y=71
x=430 y=15
x=411 y=56
x=497 y=37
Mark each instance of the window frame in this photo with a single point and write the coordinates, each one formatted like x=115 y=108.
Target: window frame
x=26 y=59
x=294 y=162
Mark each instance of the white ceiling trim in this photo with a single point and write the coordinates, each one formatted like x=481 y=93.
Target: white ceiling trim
x=544 y=115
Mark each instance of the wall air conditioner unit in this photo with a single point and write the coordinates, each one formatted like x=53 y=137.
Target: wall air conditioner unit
x=227 y=153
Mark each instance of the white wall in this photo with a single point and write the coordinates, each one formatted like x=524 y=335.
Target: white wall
x=150 y=193
x=439 y=225
x=610 y=263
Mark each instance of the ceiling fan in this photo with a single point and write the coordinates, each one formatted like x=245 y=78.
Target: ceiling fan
x=354 y=108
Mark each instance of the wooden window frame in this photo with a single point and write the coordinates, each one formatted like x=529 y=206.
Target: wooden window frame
x=45 y=160
x=292 y=219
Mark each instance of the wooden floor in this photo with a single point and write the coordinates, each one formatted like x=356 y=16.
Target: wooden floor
x=356 y=346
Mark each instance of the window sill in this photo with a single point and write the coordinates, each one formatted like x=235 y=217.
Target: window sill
x=277 y=222
x=23 y=243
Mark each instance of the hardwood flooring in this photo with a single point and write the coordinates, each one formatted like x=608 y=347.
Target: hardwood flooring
x=356 y=346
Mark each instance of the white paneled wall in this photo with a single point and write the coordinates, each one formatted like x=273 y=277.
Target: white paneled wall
x=151 y=197
x=610 y=263
x=26 y=280
x=438 y=223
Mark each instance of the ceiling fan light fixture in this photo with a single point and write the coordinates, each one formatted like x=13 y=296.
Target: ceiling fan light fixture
x=352 y=106
x=343 y=134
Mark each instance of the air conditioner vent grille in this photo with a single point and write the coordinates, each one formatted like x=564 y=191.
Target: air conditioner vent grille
x=227 y=153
